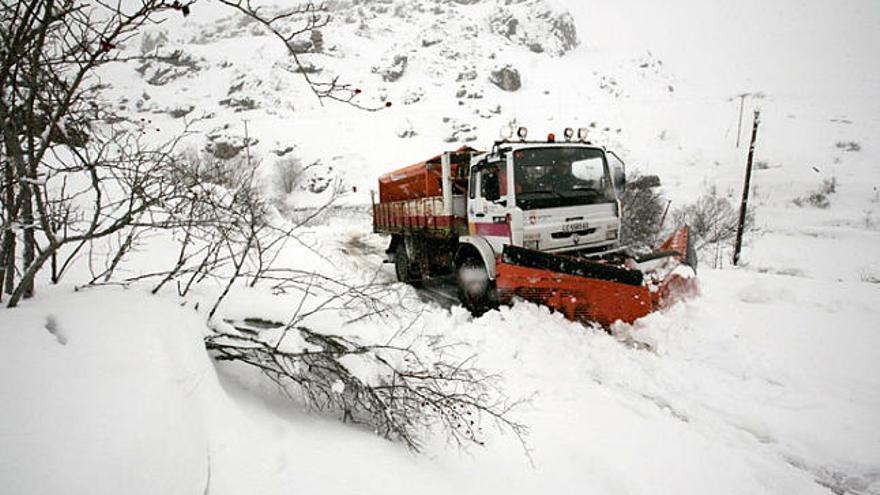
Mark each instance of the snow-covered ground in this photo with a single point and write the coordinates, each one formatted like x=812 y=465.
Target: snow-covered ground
x=764 y=384
x=768 y=382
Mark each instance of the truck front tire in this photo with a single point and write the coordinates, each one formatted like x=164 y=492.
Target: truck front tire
x=476 y=291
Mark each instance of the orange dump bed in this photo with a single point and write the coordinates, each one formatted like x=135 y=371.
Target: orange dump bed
x=424 y=179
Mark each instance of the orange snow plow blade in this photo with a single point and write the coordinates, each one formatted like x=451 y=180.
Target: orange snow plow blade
x=599 y=291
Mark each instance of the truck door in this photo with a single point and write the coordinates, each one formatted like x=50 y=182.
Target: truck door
x=487 y=206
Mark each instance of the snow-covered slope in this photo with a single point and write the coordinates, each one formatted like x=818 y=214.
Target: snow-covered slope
x=766 y=383
x=658 y=83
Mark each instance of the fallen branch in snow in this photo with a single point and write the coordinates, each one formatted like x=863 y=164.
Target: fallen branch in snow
x=401 y=392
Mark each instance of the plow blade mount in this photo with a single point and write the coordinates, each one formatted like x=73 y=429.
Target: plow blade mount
x=598 y=291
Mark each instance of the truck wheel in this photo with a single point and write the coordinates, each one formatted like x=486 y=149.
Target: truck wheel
x=475 y=291
x=406 y=271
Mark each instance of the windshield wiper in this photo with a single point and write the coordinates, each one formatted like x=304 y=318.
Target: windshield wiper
x=543 y=191
x=589 y=189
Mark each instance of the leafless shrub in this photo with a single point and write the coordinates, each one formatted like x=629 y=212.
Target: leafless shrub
x=848 y=146
x=829 y=186
x=317 y=39
x=712 y=220
x=230 y=173
x=288 y=174
x=819 y=197
x=150 y=42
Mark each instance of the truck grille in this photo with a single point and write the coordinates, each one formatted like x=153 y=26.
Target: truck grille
x=565 y=235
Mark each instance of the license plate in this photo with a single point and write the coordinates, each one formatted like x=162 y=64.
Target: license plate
x=575 y=226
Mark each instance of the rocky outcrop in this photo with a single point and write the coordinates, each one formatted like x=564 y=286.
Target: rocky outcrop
x=506 y=78
x=536 y=26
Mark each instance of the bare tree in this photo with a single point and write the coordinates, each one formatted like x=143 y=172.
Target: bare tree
x=72 y=171
x=53 y=140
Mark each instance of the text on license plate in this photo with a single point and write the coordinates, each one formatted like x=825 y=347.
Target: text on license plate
x=575 y=226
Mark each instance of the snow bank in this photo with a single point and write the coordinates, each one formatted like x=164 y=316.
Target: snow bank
x=763 y=384
x=97 y=400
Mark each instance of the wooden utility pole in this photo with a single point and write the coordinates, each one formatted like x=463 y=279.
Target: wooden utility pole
x=743 y=207
x=742 y=100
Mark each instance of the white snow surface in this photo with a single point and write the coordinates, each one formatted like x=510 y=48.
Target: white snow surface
x=767 y=382
x=763 y=384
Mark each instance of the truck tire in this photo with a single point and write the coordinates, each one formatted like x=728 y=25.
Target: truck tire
x=406 y=270
x=475 y=291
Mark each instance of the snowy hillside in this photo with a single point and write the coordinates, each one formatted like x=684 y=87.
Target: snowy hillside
x=667 y=102
x=767 y=382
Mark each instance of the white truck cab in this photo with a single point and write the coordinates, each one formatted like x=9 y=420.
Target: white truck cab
x=545 y=196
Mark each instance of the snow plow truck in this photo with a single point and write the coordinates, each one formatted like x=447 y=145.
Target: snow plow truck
x=534 y=220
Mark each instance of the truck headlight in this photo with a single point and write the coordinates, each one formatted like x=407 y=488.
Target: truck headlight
x=610 y=234
x=533 y=245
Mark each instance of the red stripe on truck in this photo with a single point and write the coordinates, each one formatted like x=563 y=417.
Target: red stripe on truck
x=492 y=229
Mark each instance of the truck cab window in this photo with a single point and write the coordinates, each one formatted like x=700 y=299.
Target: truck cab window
x=561 y=176
x=490 y=184
x=472 y=187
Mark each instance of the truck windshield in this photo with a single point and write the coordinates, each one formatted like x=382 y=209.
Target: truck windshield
x=561 y=176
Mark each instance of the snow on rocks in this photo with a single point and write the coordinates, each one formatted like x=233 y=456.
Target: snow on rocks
x=536 y=26
x=506 y=78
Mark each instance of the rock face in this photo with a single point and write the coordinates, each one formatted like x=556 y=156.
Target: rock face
x=162 y=69
x=395 y=70
x=536 y=26
x=565 y=31
x=223 y=150
x=506 y=78
x=225 y=145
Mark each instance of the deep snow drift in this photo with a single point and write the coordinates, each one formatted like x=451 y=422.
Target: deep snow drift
x=768 y=382
x=764 y=384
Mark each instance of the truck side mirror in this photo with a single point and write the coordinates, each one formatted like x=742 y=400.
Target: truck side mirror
x=618 y=173
x=619 y=182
